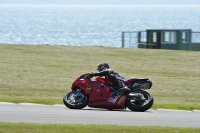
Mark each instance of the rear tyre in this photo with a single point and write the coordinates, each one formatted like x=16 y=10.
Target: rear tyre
x=141 y=102
x=75 y=99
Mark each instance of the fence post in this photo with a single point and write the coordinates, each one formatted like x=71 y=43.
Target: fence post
x=122 y=39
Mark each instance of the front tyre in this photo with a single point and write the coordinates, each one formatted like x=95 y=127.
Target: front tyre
x=75 y=99
x=139 y=100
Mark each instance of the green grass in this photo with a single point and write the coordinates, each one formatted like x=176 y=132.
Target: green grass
x=44 y=73
x=48 y=128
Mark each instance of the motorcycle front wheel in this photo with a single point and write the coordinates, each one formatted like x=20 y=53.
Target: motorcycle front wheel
x=139 y=100
x=75 y=99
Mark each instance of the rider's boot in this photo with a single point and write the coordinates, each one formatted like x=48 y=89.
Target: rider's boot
x=125 y=90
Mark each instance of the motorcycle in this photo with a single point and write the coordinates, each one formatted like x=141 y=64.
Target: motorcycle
x=99 y=93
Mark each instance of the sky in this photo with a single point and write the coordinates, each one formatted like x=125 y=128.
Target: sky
x=100 y=2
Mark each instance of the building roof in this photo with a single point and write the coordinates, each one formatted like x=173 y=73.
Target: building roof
x=168 y=29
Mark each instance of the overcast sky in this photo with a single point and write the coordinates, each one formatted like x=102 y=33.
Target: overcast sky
x=116 y=2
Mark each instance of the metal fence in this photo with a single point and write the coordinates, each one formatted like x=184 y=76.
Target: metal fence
x=195 y=37
x=130 y=39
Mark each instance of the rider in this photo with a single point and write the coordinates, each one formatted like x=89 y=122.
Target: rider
x=112 y=76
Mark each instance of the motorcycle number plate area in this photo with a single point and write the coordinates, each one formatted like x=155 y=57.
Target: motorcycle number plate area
x=111 y=102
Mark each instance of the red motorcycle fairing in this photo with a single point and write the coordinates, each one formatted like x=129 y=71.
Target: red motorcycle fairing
x=99 y=94
x=103 y=80
x=101 y=97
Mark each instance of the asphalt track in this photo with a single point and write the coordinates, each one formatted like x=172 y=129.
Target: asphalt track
x=59 y=114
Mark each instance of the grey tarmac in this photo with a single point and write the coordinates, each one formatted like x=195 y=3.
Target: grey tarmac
x=59 y=114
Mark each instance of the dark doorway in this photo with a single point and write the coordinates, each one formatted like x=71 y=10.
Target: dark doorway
x=156 y=40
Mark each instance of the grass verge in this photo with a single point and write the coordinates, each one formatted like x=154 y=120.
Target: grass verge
x=54 y=128
x=44 y=73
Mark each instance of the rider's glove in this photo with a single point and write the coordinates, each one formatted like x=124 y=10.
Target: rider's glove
x=90 y=75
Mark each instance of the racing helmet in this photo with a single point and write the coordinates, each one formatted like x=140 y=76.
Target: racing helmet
x=101 y=66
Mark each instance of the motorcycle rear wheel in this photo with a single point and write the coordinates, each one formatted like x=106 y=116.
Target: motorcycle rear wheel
x=75 y=99
x=143 y=102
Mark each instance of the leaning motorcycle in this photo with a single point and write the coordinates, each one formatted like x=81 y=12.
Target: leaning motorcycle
x=99 y=93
